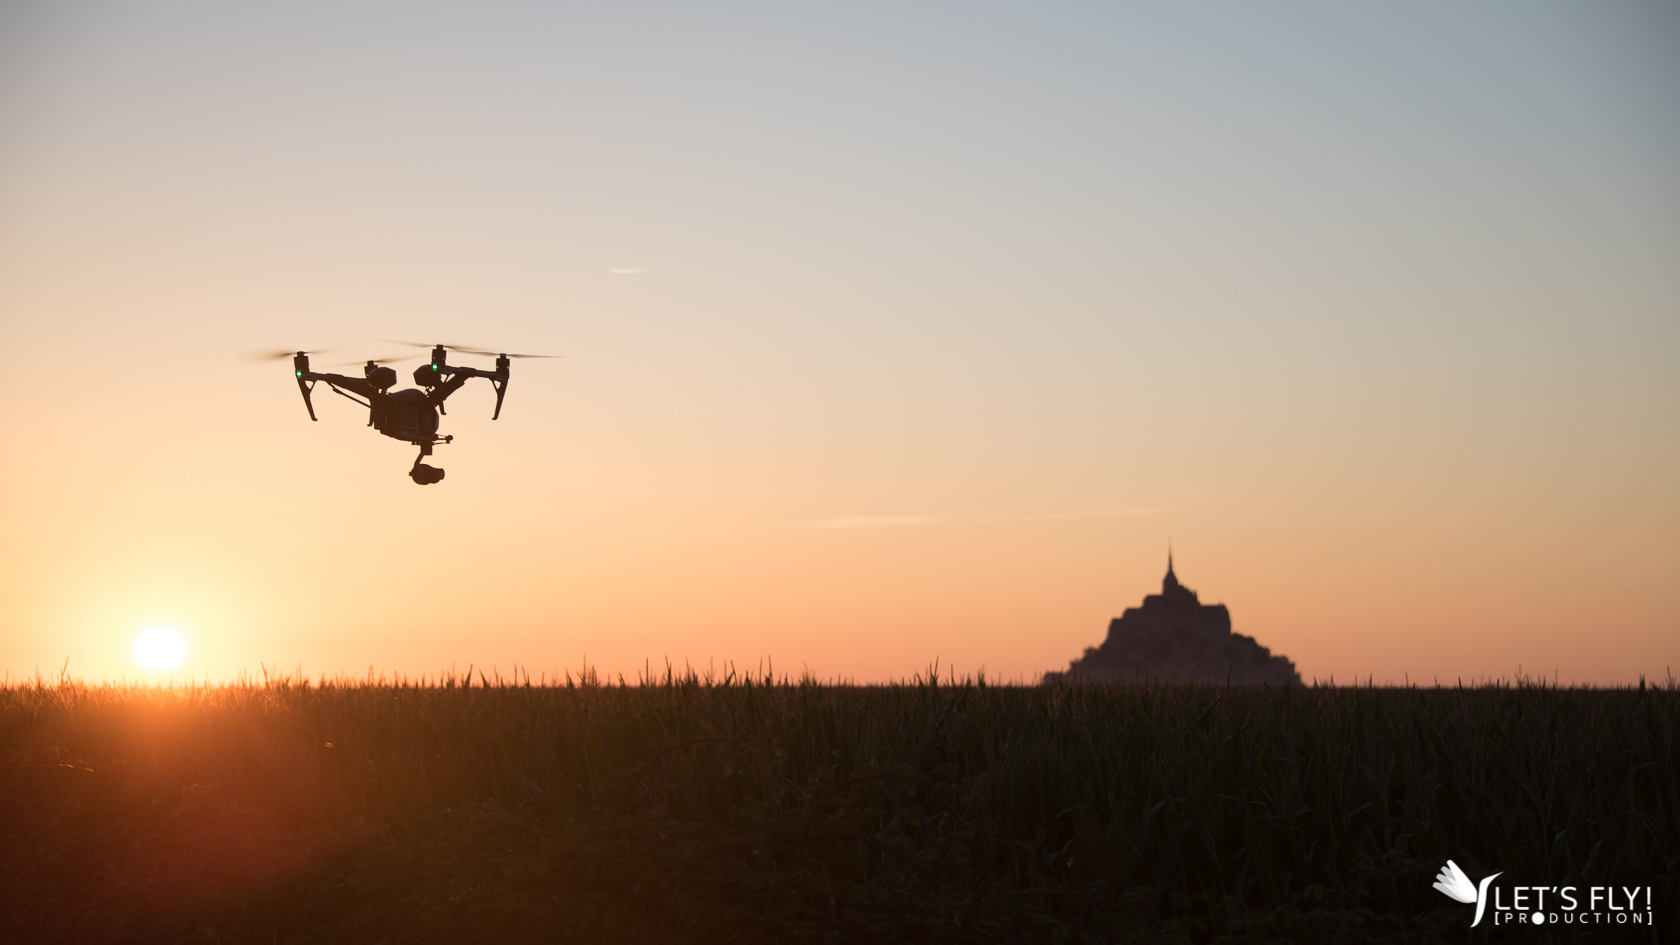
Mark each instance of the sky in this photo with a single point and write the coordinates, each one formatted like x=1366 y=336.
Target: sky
x=890 y=334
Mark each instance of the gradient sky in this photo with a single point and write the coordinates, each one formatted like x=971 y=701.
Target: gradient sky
x=892 y=332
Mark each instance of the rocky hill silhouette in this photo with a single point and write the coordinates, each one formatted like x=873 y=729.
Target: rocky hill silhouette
x=1174 y=637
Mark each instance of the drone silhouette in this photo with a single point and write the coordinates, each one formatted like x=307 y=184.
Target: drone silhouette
x=411 y=414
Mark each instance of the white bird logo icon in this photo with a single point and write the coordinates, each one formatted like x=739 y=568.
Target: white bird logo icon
x=1454 y=883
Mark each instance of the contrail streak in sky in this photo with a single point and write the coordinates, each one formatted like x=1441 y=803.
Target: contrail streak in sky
x=891 y=521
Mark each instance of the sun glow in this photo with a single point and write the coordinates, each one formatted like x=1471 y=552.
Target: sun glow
x=159 y=648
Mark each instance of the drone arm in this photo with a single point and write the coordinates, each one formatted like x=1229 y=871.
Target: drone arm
x=305 y=380
x=304 y=388
x=458 y=376
x=355 y=385
x=349 y=398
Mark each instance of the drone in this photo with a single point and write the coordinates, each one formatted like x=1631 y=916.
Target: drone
x=410 y=415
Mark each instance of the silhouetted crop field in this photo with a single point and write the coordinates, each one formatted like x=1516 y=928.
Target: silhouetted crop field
x=757 y=810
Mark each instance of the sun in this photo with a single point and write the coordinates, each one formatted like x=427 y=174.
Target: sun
x=159 y=648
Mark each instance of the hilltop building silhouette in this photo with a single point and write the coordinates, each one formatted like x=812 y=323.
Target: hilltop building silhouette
x=1174 y=637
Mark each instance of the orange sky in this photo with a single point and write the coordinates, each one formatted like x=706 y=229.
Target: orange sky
x=942 y=326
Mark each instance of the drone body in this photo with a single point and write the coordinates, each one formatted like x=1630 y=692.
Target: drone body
x=410 y=415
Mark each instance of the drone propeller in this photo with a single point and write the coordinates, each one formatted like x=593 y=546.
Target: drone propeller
x=365 y=361
x=471 y=349
x=269 y=354
x=415 y=344
x=503 y=354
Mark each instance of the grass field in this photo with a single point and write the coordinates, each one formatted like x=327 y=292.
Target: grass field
x=762 y=810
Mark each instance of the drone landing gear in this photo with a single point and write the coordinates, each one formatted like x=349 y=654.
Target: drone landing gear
x=422 y=474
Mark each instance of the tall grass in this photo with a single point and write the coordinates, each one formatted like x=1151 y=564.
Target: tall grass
x=749 y=808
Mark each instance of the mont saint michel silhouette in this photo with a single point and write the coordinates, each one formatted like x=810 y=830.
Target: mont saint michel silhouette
x=1174 y=637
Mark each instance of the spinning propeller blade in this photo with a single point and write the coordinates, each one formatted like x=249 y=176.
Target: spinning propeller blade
x=269 y=354
x=364 y=361
x=416 y=344
x=504 y=354
x=471 y=349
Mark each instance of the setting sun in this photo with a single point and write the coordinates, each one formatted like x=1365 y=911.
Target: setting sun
x=159 y=648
